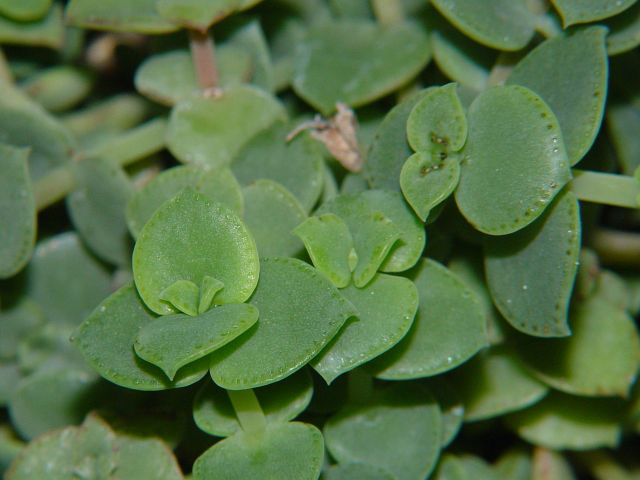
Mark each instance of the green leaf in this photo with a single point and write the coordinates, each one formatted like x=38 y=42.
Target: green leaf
x=184 y=295
x=65 y=280
x=47 y=31
x=451 y=406
x=170 y=77
x=477 y=468
x=330 y=246
x=118 y=15
x=25 y=11
x=570 y=72
x=450 y=467
x=569 y=422
x=10 y=376
x=624 y=31
x=287 y=450
x=106 y=341
x=211 y=131
x=404 y=416
x=514 y=464
x=271 y=212
x=623 y=122
x=58 y=88
x=387 y=306
x=48 y=348
x=145 y=459
x=17 y=321
x=550 y=464
x=300 y=312
x=427 y=179
x=494 y=383
x=173 y=341
x=52 y=399
x=196 y=14
x=600 y=358
x=190 y=237
x=251 y=38
x=297 y=165
x=438 y=122
x=355 y=471
x=218 y=184
x=373 y=232
x=335 y=62
x=586 y=11
x=97 y=206
x=17 y=210
x=499 y=24
x=281 y=401
x=389 y=148
x=448 y=329
x=514 y=161
x=518 y=268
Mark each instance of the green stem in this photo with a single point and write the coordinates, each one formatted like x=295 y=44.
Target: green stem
x=132 y=145
x=248 y=410
x=54 y=186
x=5 y=71
x=388 y=12
x=502 y=68
x=359 y=386
x=615 y=248
x=547 y=25
x=602 y=466
x=605 y=188
x=204 y=58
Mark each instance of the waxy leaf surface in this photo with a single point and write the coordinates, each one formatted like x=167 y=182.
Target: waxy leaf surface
x=406 y=417
x=300 y=312
x=570 y=73
x=448 y=329
x=530 y=273
x=190 y=237
x=624 y=31
x=586 y=11
x=196 y=14
x=140 y=16
x=335 y=64
x=25 y=10
x=211 y=131
x=387 y=306
x=451 y=406
x=173 y=341
x=355 y=471
x=58 y=88
x=514 y=161
x=280 y=402
x=47 y=31
x=287 y=450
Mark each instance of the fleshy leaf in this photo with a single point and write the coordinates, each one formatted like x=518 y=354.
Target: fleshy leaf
x=494 y=383
x=550 y=464
x=196 y=14
x=283 y=450
x=427 y=179
x=387 y=306
x=17 y=321
x=58 y=88
x=518 y=269
x=499 y=24
x=173 y=341
x=437 y=123
x=451 y=406
x=271 y=212
x=448 y=329
x=210 y=286
x=600 y=358
x=569 y=72
x=296 y=165
x=586 y=11
x=17 y=210
x=300 y=312
x=188 y=238
x=25 y=11
x=211 y=131
x=47 y=31
x=119 y=15
x=182 y=295
x=106 y=340
x=218 y=184
x=514 y=161
x=355 y=471
x=281 y=401
x=335 y=64
x=404 y=416
x=623 y=31
x=329 y=243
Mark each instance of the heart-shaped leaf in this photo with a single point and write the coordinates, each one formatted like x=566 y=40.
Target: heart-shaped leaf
x=211 y=131
x=569 y=72
x=518 y=265
x=271 y=213
x=119 y=15
x=448 y=329
x=300 y=312
x=405 y=416
x=17 y=210
x=106 y=341
x=280 y=402
x=500 y=24
x=336 y=64
x=586 y=11
x=437 y=123
x=283 y=450
x=173 y=341
x=514 y=161
x=387 y=306
x=190 y=237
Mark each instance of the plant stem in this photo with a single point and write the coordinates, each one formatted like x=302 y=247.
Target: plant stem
x=132 y=145
x=359 y=386
x=204 y=58
x=617 y=248
x=54 y=186
x=605 y=188
x=5 y=71
x=547 y=25
x=388 y=12
x=502 y=68
x=248 y=410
